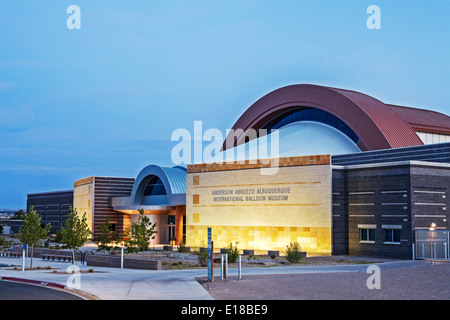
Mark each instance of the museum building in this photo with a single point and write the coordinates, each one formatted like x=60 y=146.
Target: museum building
x=352 y=175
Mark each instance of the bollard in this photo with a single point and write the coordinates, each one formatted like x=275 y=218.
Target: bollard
x=23 y=261
x=121 y=259
x=226 y=265
x=221 y=266
x=239 y=267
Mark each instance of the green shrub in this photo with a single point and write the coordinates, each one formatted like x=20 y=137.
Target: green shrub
x=182 y=246
x=233 y=252
x=203 y=256
x=293 y=252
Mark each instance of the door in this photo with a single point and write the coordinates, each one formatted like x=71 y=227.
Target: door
x=171 y=230
x=171 y=233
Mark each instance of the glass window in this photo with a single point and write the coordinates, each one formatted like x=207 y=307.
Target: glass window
x=155 y=187
x=312 y=114
x=367 y=235
x=392 y=235
x=363 y=234
x=371 y=234
x=397 y=235
x=388 y=237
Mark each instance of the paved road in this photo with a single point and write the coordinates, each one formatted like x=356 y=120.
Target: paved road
x=20 y=291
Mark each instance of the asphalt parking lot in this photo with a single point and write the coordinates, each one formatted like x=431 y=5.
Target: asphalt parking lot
x=424 y=281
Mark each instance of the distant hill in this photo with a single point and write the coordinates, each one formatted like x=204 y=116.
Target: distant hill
x=9 y=210
x=7 y=213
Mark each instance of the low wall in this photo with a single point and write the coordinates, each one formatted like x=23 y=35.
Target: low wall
x=114 y=262
x=37 y=252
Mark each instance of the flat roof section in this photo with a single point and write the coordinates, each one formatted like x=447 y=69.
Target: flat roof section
x=50 y=193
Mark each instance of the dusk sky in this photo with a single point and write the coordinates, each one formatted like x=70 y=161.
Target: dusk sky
x=104 y=100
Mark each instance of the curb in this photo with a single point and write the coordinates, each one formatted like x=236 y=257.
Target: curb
x=37 y=282
x=83 y=294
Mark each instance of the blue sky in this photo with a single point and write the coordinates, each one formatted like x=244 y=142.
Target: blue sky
x=104 y=100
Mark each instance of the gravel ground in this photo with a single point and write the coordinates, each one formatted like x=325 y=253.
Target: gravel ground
x=431 y=282
x=177 y=260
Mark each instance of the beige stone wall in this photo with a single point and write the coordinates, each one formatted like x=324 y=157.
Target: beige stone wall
x=83 y=199
x=261 y=212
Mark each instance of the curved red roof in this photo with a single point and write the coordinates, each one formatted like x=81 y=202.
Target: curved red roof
x=424 y=120
x=378 y=125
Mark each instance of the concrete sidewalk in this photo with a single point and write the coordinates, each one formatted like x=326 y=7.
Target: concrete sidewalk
x=114 y=283
x=130 y=284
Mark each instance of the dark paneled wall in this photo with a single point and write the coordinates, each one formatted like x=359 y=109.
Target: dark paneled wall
x=429 y=197
x=104 y=189
x=340 y=214
x=53 y=207
x=400 y=196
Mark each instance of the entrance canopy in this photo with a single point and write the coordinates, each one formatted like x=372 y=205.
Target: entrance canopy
x=156 y=190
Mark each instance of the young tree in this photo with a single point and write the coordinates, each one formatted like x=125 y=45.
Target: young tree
x=75 y=231
x=142 y=232
x=106 y=237
x=31 y=231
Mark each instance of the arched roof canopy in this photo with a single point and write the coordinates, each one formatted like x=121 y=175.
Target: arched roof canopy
x=171 y=182
x=375 y=123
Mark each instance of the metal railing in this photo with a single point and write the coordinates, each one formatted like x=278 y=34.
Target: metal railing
x=81 y=255
x=432 y=244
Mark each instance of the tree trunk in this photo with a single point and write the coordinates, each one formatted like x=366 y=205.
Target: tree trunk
x=31 y=262
x=73 y=256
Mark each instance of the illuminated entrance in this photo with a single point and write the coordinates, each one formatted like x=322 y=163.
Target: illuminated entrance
x=161 y=193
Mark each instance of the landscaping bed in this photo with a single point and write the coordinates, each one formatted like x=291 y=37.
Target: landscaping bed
x=171 y=260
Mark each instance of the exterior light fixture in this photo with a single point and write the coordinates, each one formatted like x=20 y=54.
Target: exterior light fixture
x=432 y=226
